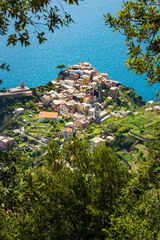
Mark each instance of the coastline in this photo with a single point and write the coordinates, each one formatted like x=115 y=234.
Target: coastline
x=80 y=103
x=141 y=88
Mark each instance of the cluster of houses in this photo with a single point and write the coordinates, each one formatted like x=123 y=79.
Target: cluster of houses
x=78 y=98
x=78 y=95
x=150 y=106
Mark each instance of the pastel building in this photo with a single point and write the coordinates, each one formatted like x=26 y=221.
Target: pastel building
x=17 y=91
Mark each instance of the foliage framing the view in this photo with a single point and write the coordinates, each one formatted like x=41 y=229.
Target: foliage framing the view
x=40 y=14
x=139 y=22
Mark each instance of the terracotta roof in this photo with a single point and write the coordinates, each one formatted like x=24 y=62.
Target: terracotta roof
x=69 y=129
x=50 y=115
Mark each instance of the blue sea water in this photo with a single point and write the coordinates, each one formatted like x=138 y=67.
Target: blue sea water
x=88 y=39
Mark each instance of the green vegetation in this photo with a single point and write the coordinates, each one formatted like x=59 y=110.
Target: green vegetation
x=37 y=14
x=139 y=22
x=137 y=215
x=8 y=105
x=61 y=66
x=71 y=189
x=76 y=192
x=70 y=197
x=129 y=133
x=27 y=17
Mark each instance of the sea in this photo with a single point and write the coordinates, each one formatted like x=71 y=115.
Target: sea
x=87 y=39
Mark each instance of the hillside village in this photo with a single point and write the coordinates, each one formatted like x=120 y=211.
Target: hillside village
x=79 y=96
x=80 y=102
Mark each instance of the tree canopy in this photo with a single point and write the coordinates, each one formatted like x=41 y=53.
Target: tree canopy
x=137 y=212
x=19 y=16
x=70 y=196
x=139 y=22
x=76 y=191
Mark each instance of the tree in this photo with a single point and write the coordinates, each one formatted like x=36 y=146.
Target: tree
x=22 y=84
x=70 y=196
x=61 y=66
x=23 y=17
x=38 y=14
x=137 y=212
x=139 y=22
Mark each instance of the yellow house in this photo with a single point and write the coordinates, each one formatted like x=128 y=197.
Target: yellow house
x=86 y=80
x=83 y=88
x=80 y=108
